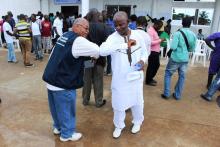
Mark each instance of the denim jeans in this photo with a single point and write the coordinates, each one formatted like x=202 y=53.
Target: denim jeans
x=63 y=110
x=37 y=46
x=11 y=52
x=170 y=69
x=213 y=87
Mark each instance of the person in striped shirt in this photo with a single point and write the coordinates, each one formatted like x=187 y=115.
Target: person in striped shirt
x=23 y=32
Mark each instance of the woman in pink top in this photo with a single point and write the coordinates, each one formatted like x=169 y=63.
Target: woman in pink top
x=154 y=58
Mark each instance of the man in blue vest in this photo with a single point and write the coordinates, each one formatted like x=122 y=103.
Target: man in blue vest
x=64 y=74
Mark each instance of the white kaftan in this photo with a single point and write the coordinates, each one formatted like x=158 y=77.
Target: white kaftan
x=127 y=84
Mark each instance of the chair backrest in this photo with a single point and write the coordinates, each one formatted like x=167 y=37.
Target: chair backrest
x=168 y=45
x=200 y=47
x=1 y=44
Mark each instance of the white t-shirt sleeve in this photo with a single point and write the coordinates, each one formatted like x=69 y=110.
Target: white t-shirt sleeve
x=83 y=47
x=55 y=23
x=110 y=46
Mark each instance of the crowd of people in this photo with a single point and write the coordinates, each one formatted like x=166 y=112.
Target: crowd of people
x=78 y=60
x=36 y=34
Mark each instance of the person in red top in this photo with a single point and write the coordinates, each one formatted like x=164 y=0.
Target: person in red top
x=46 y=34
x=1 y=30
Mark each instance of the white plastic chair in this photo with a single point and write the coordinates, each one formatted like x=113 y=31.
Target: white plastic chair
x=200 y=51
x=161 y=52
x=1 y=44
x=168 y=48
x=17 y=45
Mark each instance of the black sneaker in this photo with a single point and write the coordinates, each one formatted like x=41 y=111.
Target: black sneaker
x=154 y=81
x=205 y=98
x=102 y=104
x=85 y=103
x=151 y=84
x=29 y=65
x=164 y=96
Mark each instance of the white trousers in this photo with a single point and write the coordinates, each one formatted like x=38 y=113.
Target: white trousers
x=137 y=114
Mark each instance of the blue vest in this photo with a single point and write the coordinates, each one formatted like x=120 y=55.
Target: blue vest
x=63 y=70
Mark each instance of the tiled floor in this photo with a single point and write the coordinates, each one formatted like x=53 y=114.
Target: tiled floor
x=25 y=119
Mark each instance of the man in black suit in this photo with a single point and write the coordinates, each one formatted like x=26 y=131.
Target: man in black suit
x=94 y=69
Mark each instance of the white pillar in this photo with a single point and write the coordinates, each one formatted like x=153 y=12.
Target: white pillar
x=85 y=7
x=216 y=18
x=153 y=8
x=44 y=6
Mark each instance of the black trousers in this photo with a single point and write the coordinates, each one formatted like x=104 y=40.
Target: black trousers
x=93 y=76
x=153 y=66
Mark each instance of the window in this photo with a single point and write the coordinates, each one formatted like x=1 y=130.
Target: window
x=199 y=16
x=112 y=9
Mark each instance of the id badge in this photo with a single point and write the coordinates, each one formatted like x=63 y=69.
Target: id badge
x=88 y=64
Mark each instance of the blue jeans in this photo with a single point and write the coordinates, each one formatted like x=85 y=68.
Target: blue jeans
x=11 y=52
x=170 y=69
x=63 y=110
x=37 y=46
x=213 y=87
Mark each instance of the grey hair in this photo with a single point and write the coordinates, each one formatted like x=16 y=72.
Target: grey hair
x=120 y=15
x=79 y=21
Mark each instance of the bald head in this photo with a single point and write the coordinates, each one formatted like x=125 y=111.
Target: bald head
x=120 y=15
x=121 y=23
x=81 y=27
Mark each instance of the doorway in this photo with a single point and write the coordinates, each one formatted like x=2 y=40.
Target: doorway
x=69 y=11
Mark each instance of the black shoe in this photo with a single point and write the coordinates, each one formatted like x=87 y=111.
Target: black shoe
x=154 y=81
x=85 y=103
x=164 y=96
x=29 y=65
x=102 y=104
x=205 y=98
x=151 y=84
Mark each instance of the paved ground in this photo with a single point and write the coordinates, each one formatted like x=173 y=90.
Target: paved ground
x=25 y=119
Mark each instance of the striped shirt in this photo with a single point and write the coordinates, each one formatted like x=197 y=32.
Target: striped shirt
x=23 y=30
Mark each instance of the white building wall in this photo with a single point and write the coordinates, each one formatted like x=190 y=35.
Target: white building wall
x=44 y=5
x=98 y=4
x=19 y=6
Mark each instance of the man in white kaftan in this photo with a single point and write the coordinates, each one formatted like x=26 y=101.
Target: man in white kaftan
x=127 y=80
